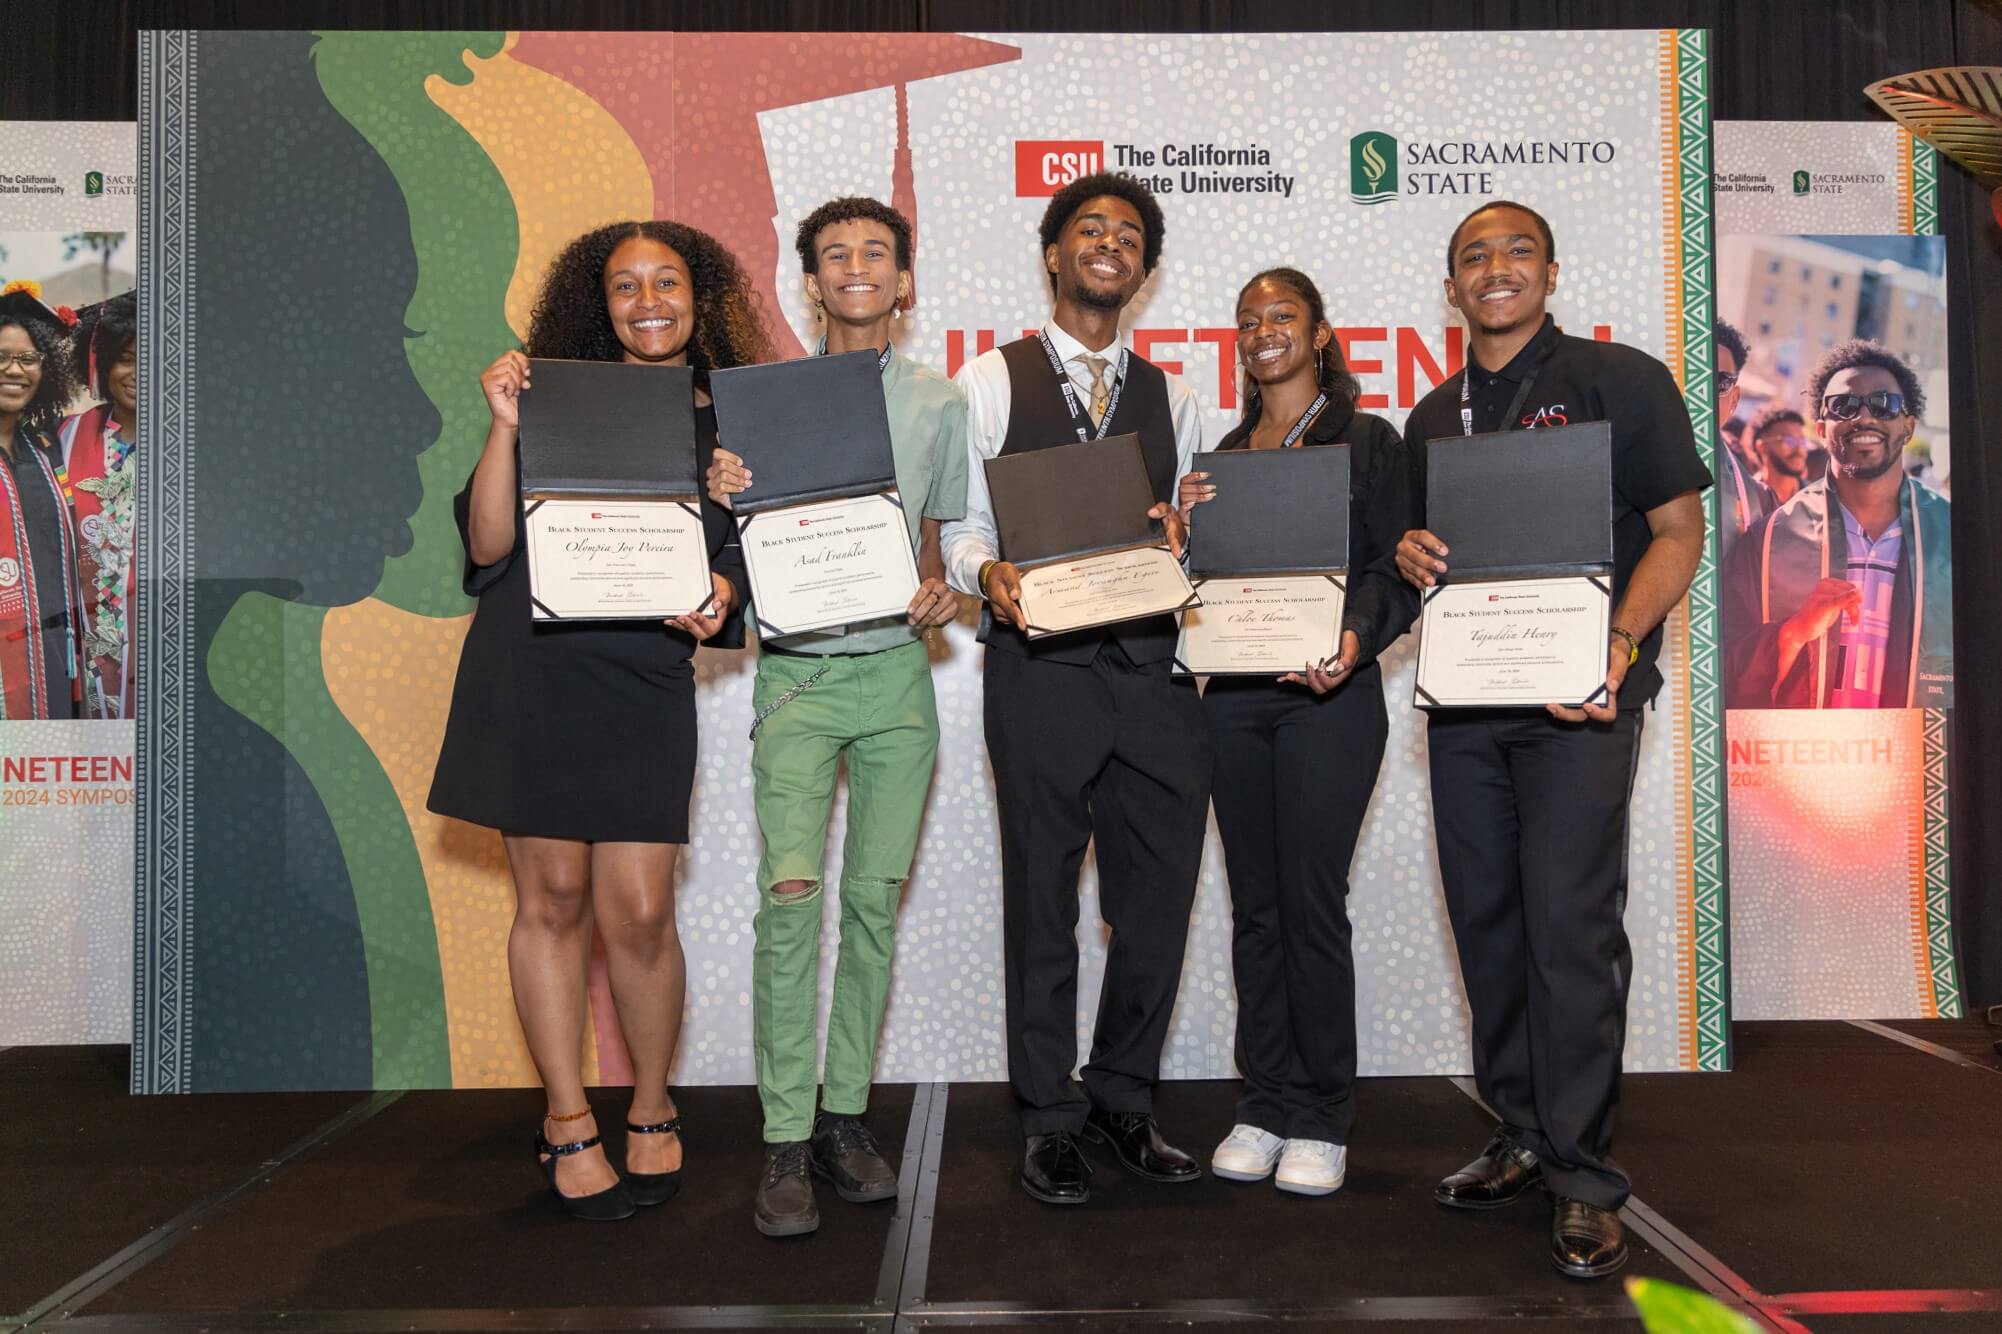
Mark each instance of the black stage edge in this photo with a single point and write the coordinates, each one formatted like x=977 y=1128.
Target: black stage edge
x=1840 y=1179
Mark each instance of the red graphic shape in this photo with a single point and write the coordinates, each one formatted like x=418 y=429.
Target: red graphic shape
x=690 y=101
x=1045 y=166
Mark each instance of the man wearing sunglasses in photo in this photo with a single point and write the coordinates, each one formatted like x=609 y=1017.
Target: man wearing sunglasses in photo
x=1847 y=605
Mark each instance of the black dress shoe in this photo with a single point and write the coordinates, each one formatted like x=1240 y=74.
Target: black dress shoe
x=607 y=1206
x=1054 y=1171
x=1503 y=1171
x=784 y=1205
x=1137 y=1143
x=650 y=1188
x=846 y=1153
x=1586 y=1241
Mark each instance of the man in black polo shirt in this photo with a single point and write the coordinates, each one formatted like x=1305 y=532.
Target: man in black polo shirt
x=1089 y=736
x=1530 y=807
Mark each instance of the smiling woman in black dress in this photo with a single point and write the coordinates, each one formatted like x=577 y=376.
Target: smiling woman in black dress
x=1296 y=761
x=577 y=742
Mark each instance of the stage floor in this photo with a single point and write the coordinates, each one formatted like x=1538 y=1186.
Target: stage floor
x=1843 y=1178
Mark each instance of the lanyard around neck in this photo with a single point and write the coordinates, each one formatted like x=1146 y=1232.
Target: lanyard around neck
x=1514 y=405
x=1306 y=418
x=1080 y=420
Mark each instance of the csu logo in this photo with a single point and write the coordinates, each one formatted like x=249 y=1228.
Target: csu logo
x=93 y=184
x=1045 y=166
x=1802 y=182
x=1373 y=167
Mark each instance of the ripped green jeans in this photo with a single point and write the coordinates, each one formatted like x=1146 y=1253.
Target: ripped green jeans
x=877 y=710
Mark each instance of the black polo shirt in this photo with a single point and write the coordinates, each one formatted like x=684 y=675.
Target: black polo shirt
x=1580 y=380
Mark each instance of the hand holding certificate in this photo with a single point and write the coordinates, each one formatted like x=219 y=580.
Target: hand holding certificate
x=1078 y=530
x=609 y=505
x=826 y=539
x=1268 y=555
x=1524 y=617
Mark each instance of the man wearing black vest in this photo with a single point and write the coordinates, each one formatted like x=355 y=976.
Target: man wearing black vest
x=1530 y=805
x=1088 y=734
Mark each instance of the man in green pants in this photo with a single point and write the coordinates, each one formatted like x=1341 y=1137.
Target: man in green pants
x=865 y=693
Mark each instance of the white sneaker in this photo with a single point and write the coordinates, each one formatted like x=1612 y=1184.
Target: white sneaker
x=1246 y=1154
x=1312 y=1167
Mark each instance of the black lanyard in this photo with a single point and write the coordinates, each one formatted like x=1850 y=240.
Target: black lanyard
x=1300 y=427
x=1079 y=418
x=1514 y=405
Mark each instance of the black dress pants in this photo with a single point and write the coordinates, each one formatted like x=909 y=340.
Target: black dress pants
x=1119 y=753
x=1531 y=815
x=1294 y=774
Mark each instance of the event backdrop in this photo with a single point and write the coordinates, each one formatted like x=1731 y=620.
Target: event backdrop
x=342 y=229
x=1840 y=893
x=68 y=195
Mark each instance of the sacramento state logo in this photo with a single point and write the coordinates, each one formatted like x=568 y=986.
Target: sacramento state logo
x=1373 y=167
x=1801 y=182
x=93 y=185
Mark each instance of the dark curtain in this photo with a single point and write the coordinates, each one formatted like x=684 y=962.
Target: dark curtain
x=1771 y=60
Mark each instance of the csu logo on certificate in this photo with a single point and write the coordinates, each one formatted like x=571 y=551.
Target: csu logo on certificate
x=1373 y=167
x=1045 y=166
x=1802 y=182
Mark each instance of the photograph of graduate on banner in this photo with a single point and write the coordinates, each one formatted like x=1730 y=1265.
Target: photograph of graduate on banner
x=1837 y=532
x=66 y=300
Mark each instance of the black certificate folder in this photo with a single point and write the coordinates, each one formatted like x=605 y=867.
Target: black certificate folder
x=1072 y=500
x=606 y=428
x=1276 y=511
x=1523 y=504
x=811 y=429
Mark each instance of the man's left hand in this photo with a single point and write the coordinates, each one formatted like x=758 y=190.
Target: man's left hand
x=935 y=604
x=1172 y=522
x=1607 y=710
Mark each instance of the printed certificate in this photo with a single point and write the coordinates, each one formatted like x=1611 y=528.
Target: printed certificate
x=1508 y=643
x=616 y=558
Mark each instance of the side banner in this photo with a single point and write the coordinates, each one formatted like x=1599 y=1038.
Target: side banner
x=397 y=198
x=1836 y=510
x=67 y=207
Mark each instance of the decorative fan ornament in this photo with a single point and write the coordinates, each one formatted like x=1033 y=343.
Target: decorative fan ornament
x=1958 y=111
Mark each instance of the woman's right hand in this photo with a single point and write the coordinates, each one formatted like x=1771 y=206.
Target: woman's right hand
x=502 y=383
x=1193 y=492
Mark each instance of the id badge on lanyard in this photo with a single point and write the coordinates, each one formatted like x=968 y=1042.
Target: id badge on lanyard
x=1081 y=420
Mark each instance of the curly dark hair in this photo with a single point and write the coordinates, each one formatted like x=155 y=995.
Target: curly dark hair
x=1865 y=352
x=570 y=319
x=1337 y=381
x=1772 y=417
x=1067 y=201
x=1731 y=340
x=59 y=387
x=105 y=334
x=852 y=208
x=1542 y=230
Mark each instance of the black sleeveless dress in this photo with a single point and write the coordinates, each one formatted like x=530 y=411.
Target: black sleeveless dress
x=577 y=731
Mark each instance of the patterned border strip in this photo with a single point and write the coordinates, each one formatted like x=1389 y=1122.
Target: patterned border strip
x=1925 y=187
x=1944 y=981
x=163 y=916
x=1904 y=181
x=1701 y=658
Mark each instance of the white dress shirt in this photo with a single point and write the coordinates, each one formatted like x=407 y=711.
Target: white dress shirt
x=969 y=543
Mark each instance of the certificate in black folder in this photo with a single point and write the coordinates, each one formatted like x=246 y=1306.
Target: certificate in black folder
x=826 y=541
x=608 y=492
x=1523 y=616
x=1073 y=519
x=1269 y=556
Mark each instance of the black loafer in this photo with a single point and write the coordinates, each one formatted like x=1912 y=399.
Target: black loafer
x=1137 y=1143
x=1586 y=1241
x=1503 y=1171
x=846 y=1153
x=1054 y=1171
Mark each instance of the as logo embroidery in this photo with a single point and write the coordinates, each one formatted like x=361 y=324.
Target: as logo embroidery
x=1557 y=414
